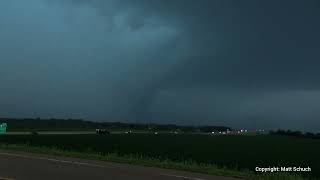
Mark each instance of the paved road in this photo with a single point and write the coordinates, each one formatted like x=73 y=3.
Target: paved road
x=87 y=132
x=51 y=132
x=26 y=166
x=66 y=132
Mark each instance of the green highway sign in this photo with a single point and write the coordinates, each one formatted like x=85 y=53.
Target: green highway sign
x=3 y=128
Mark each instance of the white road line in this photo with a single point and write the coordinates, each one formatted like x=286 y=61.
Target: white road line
x=182 y=177
x=54 y=160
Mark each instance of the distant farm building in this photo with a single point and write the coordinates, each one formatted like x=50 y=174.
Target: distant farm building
x=102 y=131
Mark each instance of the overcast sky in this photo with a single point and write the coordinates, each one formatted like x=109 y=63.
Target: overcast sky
x=252 y=64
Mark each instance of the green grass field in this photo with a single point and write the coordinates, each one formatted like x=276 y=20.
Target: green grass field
x=234 y=152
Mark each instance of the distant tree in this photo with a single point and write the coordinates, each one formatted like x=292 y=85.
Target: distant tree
x=289 y=132
x=281 y=132
x=272 y=132
x=296 y=133
x=309 y=135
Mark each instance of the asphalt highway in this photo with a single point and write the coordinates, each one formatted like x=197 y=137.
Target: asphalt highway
x=27 y=166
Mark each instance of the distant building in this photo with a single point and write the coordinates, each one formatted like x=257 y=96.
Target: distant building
x=102 y=131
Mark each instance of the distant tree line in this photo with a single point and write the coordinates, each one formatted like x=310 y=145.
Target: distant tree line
x=37 y=124
x=296 y=134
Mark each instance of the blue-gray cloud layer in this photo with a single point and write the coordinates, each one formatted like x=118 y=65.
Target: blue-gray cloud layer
x=239 y=63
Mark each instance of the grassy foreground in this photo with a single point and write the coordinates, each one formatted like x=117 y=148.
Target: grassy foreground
x=190 y=166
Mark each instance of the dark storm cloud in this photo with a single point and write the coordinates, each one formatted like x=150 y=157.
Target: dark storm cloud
x=247 y=44
x=237 y=63
x=63 y=60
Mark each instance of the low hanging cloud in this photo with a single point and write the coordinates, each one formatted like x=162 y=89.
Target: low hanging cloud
x=231 y=63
